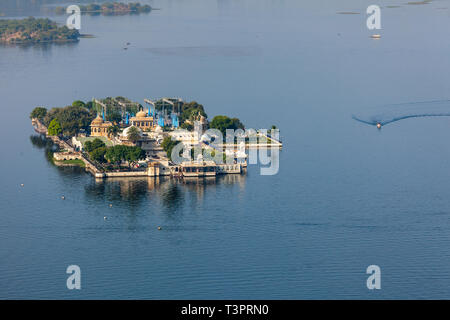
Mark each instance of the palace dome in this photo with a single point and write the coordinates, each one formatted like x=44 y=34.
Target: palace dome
x=97 y=120
x=141 y=114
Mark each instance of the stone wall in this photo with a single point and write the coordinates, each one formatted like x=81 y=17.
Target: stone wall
x=61 y=156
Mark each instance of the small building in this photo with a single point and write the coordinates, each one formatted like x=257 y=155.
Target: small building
x=142 y=120
x=99 y=128
x=198 y=169
x=184 y=136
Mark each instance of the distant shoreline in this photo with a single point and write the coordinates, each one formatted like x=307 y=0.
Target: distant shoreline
x=34 y=31
x=114 y=8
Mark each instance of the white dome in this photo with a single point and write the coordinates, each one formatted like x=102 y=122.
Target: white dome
x=125 y=132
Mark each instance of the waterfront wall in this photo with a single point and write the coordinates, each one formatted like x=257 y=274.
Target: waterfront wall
x=228 y=168
x=61 y=156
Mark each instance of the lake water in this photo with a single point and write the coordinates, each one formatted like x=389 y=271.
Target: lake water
x=346 y=196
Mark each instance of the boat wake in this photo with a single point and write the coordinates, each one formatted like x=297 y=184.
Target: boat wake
x=396 y=112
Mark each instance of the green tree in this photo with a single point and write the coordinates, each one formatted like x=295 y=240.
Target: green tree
x=190 y=111
x=134 y=154
x=90 y=146
x=223 y=123
x=116 y=154
x=78 y=103
x=89 y=105
x=168 y=144
x=133 y=134
x=98 y=154
x=38 y=113
x=119 y=153
x=114 y=116
x=71 y=118
x=113 y=130
x=54 y=129
x=237 y=124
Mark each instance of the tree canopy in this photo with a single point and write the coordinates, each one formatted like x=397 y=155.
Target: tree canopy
x=168 y=144
x=54 y=129
x=96 y=149
x=90 y=146
x=114 y=116
x=191 y=110
x=71 y=118
x=38 y=113
x=113 y=130
x=98 y=154
x=119 y=153
x=78 y=103
x=116 y=154
x=133 y=134
x=223 y=123
x=134 y=154
x=89 y=105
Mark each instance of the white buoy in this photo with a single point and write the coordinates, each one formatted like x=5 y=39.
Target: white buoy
x=110 y=205
x=21 y=184
x=159 y=228
x=63 y=197
x=379 y=125
x=376 y=36
x=104 y=218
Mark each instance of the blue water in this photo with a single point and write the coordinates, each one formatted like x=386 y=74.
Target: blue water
x=347 y=195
